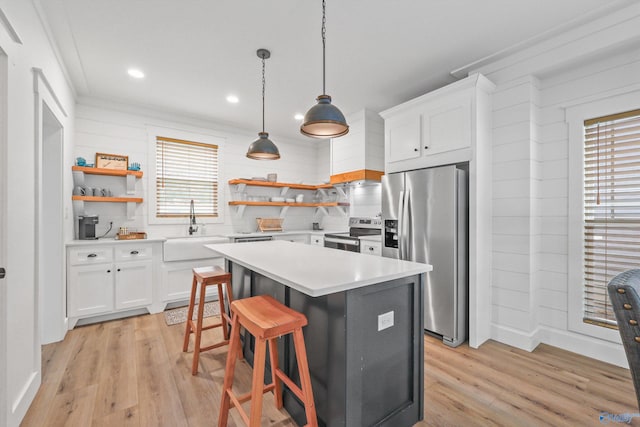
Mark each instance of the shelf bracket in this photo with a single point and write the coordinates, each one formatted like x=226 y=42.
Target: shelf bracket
x=131 y=210
x=283 y=211
x=341 y=193
x=283 y=191
x=131 y=185
x=240 y=210
x=323 y=210
x=240 y=187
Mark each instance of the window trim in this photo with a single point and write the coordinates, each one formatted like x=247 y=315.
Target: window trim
x=575 y=118
x=152 y=133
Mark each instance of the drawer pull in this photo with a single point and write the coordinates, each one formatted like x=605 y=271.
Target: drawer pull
x=134 y=252
x=92 y=255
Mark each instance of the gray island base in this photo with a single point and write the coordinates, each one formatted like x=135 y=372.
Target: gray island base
x=364 y=338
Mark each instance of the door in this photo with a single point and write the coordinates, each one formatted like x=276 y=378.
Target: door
x=431 y=201
x=392 y=197
x=90 y=289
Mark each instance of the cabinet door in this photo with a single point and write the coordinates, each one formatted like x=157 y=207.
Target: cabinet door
x=90 y=289
x=403 y=137
x=446 y=126
x=177 y=277
x=134 y=282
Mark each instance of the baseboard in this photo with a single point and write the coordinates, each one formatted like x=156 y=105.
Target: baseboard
x=515 y=338
x=20 y=406
x=605 y=351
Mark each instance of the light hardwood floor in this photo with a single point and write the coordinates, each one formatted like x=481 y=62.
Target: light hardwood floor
x=132 y=372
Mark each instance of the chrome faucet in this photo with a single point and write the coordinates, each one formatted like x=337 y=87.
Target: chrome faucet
x=193 y=227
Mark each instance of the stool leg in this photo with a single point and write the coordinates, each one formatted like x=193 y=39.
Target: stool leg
x=273 y=360
x=192 y=300
x=229 y=371
x=196 y=350
x=229 y=301
x=257 y=386
x=305 y=379
x=223 y=320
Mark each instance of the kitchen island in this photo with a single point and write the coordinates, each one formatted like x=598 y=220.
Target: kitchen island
x=364 y=338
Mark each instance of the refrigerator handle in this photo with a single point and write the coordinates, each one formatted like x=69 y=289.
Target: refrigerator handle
x=400 y=230
x=407 y=231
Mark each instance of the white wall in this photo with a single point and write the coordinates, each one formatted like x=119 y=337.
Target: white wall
x=30 y=49
x=119 y=129
x=535 y=86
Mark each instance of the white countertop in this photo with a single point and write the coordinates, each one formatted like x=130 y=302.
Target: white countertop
x=282 y=233
x=111 y=241
x=316 y=270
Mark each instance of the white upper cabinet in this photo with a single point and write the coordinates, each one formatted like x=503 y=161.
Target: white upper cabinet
x=434 y=129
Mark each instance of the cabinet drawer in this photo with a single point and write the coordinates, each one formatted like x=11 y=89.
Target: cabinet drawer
x=133 y=252
x=90 y=255
x=317 y=240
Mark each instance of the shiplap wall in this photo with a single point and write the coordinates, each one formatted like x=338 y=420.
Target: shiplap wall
x=123 y=130
x=535 y=87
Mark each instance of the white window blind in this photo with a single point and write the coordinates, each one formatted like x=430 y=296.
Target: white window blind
x=611 y=208
x=186 y=171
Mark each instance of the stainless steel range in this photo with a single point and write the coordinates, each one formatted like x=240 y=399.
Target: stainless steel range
x=357 y=227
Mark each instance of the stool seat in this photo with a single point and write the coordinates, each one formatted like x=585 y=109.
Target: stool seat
x=207 y=276
x=266 y=318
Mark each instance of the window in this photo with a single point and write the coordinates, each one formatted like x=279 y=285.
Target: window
x=185 y=171
x=611 y=208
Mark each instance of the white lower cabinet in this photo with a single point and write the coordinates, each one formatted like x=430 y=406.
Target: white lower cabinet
x=108 y=278
x=297 y=238
x=372 y=248
x=177 y=277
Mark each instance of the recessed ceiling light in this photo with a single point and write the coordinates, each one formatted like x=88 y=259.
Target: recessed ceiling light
x=298 y=116
x=135 y=73
x=232 y=99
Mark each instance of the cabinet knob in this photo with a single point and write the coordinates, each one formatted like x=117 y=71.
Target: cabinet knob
x=118 y=270
x=371 y=249
x=108 y=271
x=134 y=252
x=415 y=149
x=92 y=255
x=426 y=147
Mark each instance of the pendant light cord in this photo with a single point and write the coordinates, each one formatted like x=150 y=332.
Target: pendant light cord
x=324 y=45
x=263 y=85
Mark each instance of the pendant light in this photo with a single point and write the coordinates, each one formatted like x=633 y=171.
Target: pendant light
x=262 y=148
x=324 y=120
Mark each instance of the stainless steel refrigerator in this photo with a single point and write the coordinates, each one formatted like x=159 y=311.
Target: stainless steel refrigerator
x=425 y=214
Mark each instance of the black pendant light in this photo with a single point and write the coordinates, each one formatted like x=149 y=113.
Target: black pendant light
x=262 y=148
x=324 y=120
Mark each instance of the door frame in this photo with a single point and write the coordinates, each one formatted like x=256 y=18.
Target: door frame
x=54 y=313
x=4 y=136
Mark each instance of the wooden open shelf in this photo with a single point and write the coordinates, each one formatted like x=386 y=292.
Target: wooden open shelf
x=108 y=199
x=109 y=172
x=302 y=205
x=279 y=184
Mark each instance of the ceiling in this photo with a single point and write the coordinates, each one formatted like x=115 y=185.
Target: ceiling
x=379 y=53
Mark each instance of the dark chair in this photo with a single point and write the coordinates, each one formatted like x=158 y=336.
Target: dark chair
x=623 y=292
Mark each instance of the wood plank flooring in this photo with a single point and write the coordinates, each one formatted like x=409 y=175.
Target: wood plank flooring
x=132 y=372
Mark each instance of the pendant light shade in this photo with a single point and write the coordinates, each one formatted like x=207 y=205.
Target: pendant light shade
x=263 y=148
x=324 y=120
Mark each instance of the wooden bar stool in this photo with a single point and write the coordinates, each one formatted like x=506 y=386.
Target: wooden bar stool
x=266 y=319
x=207 y=276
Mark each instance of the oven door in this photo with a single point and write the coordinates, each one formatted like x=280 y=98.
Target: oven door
x=345 y=244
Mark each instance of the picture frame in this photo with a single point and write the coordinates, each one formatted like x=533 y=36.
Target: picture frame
x=112 y=161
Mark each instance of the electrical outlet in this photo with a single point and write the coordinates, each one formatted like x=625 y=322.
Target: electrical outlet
x=385 y=320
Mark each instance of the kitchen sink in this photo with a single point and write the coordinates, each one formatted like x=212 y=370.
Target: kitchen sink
x=189 y=247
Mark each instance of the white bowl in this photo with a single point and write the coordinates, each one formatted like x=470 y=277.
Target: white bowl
x=277 y=199
x=290 y=200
